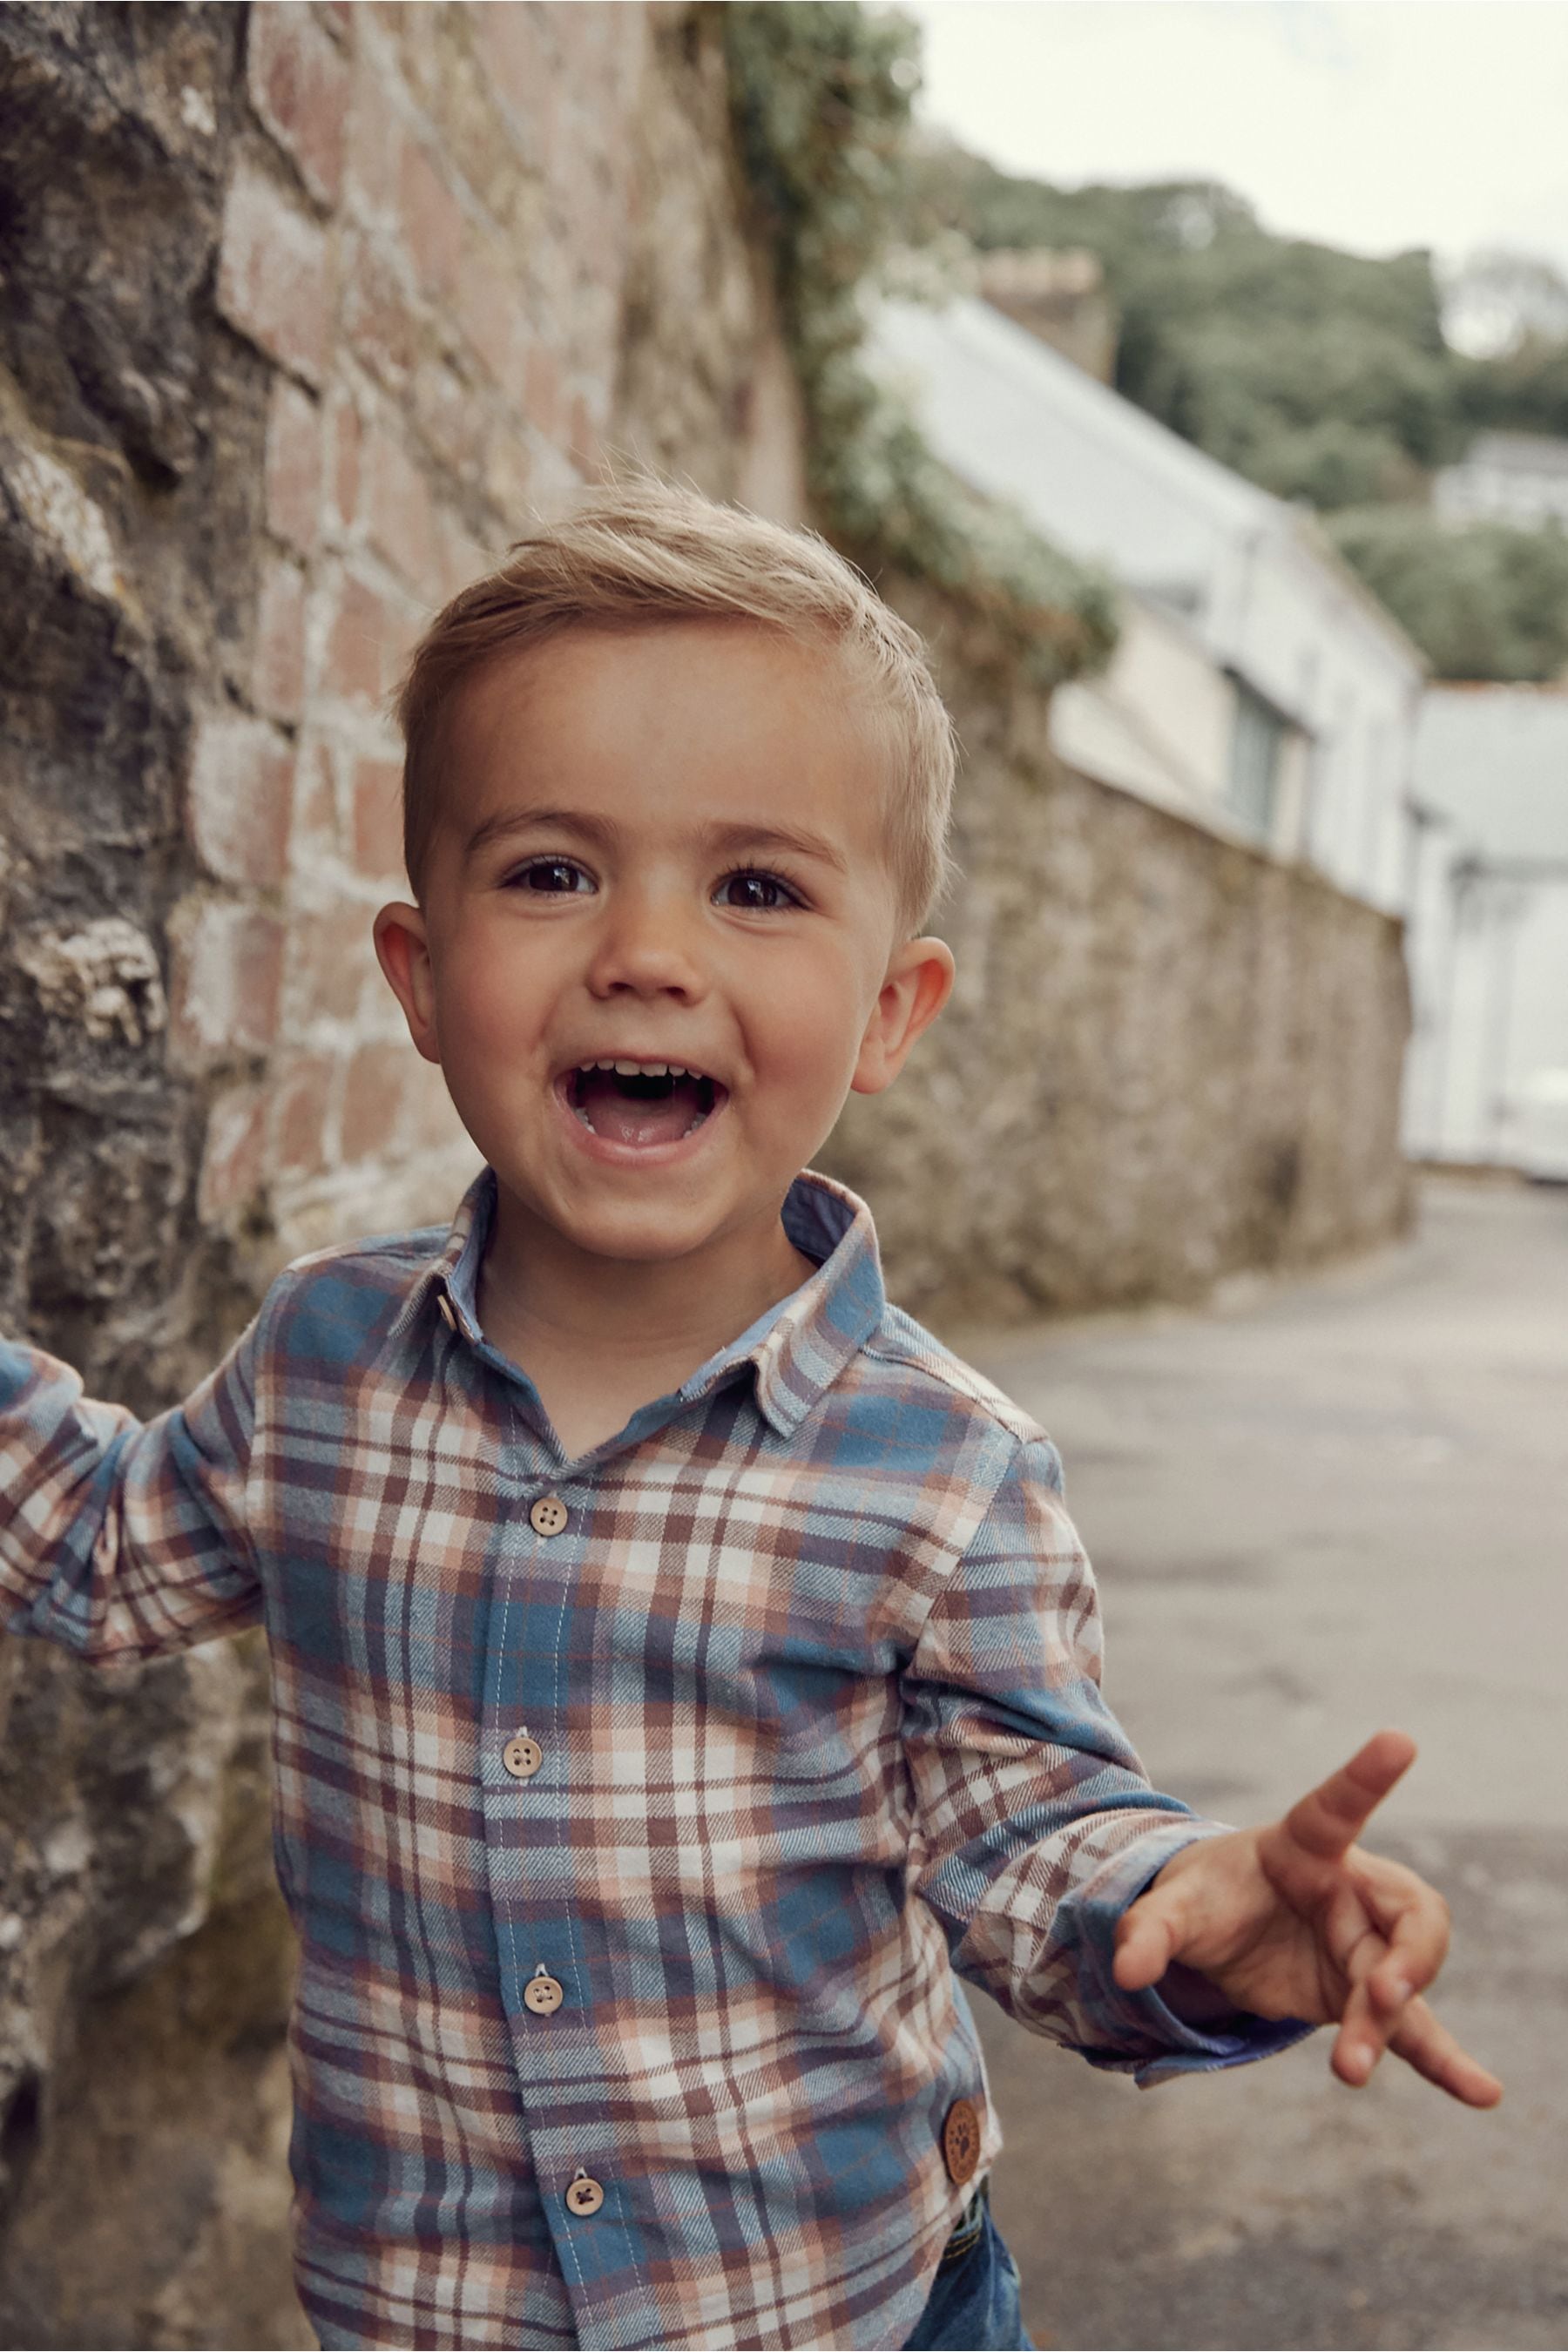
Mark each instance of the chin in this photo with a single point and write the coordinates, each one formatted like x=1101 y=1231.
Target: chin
x=652 y=1240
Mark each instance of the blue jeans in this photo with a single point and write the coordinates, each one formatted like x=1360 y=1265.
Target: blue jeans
x=973 y=2303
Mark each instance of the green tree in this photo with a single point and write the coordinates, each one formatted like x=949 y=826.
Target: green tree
x=1320 y=375
x=1486 y=601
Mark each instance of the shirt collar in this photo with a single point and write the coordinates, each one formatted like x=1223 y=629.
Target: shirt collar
x=449 y=1278
x=797 y=1348
x=800 y=1347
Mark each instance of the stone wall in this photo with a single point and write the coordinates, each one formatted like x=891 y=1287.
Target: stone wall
x=305 y=307
x=1167 y=1058
x=131 y=431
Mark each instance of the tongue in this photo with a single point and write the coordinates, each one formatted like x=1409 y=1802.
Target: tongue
x=630 y=1119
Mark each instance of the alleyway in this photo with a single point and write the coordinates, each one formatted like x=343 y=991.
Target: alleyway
x=1333 y=1507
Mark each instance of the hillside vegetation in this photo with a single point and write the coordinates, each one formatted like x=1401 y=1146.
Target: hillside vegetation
x=1322 y=376
x=821 y=95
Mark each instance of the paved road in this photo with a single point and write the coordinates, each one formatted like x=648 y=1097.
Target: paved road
x=1313 y=1512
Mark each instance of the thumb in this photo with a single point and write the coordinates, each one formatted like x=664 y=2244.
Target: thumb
x=1149 y=1935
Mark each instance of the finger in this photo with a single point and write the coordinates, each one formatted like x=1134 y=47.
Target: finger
x=1360 y=2040
x=1327 y=1821
x=1350 y=1935
x=1433 y=2053
x=1412 y=1920
x=1384 y=1923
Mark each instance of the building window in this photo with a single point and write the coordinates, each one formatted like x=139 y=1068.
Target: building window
x=1255 y=747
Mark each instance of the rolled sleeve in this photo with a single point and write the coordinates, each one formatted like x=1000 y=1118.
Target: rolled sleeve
x=122 y=1540
x=1038 y=1825
x=1170 y=2043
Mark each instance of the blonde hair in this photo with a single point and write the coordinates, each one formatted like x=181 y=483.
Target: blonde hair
x=630 y=555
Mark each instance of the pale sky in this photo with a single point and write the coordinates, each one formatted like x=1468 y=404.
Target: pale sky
x=1371 y=124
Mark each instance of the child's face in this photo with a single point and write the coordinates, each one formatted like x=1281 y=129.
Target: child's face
x=660 y=846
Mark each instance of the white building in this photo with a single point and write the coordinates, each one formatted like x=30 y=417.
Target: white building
x=1516 y=477
x=1487 y=1078
x=1258 y=688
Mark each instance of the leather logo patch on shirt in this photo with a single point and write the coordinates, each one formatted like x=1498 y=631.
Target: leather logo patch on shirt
x=961 y=2141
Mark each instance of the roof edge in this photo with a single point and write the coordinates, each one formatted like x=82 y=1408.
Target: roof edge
x=1304 y=522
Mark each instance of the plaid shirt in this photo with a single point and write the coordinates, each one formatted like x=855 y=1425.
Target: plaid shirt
x=742 y=1733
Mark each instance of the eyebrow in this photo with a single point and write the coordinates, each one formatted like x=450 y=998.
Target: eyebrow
x=604 y=832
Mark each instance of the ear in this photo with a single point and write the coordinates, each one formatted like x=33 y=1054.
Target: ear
x=919 y=983
x=402 y=950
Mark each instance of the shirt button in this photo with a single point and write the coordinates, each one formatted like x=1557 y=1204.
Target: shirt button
x=448 y=1317
x=522 y=1757
x=585 y=2196
x=548 y=1516
x=542 y=1993
x=961 y=2141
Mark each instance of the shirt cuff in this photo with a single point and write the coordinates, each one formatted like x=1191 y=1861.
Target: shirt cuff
x=1148 y=2039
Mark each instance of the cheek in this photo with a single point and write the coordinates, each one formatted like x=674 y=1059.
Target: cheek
x=808 y=1032
x=487 y=999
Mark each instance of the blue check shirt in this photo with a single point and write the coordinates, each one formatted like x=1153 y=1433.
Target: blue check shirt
x=641 y=1815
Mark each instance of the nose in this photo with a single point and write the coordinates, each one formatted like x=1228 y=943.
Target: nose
x=646 y=947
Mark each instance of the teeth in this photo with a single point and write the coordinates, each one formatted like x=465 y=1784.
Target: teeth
x=644 y=1069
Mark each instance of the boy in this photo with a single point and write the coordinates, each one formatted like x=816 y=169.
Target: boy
x=681 y=1662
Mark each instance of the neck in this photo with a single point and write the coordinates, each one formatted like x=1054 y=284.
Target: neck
x=541 y=1296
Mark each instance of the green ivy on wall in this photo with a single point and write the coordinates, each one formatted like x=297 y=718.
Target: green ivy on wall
x=822 y=92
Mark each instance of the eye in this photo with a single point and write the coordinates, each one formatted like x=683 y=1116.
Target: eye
x=552 y=878
x=756 y=893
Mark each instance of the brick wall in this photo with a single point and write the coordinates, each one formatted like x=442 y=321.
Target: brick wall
x=425 y=234
x=484 y=251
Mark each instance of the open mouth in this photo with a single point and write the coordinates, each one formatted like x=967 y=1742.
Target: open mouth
x=640 y=1103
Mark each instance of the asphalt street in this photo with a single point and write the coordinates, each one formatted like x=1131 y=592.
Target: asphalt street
x=1315 y=1511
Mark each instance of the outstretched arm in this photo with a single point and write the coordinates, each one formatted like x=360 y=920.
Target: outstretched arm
x=1038 y=1827
x=122 y=1540
x=1295 y=1920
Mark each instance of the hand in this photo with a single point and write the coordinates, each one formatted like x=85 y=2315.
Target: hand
x=1296 y=1921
